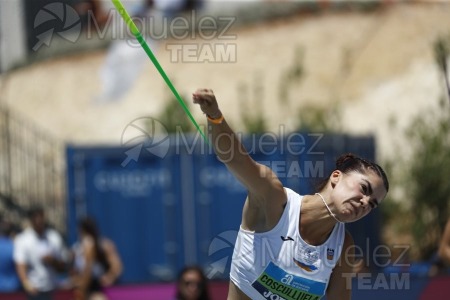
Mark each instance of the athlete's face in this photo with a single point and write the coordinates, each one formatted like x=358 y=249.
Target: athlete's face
x=355 y=194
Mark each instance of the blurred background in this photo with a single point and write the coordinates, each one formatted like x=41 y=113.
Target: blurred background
x=89 y=127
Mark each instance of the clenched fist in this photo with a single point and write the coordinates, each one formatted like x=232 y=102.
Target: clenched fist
x=208 y=103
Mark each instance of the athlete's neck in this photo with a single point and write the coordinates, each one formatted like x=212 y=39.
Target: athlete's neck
x=316 y=224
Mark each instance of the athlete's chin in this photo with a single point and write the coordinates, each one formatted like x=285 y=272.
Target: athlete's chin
x=348 y=216
x=351 y=220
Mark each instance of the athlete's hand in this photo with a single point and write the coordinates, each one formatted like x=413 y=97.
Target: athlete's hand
x=208 y=103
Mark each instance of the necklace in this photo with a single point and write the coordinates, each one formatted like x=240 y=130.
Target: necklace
x=329 y=210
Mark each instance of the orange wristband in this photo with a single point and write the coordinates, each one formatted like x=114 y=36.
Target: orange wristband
x=216 y=121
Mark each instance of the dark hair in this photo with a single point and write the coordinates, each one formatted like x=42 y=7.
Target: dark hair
x=349 y=162
x=34 y=211
x=204 y=295
x=4 y=226
x=88 y=226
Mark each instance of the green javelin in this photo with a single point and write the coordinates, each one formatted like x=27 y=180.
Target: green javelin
x=138 y=35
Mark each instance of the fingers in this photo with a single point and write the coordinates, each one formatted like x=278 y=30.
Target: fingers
x=195 y=97
x=201 y=96
x=203 y=92
x=207 y=101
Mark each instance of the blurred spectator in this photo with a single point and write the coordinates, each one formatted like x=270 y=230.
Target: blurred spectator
x=444 y=247
x=92 y=9
x=192 y=284
x=39 y=254
x=96 y=262
x=441 y=261
x=173 y=7
x=9 y=281
x=125 y=59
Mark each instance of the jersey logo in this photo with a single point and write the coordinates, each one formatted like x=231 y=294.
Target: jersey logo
x=287 y=238
x=307 y=258
x=330 y=254
x=307 y=268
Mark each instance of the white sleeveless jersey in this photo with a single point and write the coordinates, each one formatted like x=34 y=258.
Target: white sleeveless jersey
x=279 y=264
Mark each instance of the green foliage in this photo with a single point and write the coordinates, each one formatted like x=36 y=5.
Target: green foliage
x=429 y=174
x=441 y=51
x=319 y=119
x=310 y=117
x=173 y=116
x=425 y=174
x=291 y=77
x=252 y=116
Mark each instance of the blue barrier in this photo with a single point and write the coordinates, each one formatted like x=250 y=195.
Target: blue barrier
x=135 y=205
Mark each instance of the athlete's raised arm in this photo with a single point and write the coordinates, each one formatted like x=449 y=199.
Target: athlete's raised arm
x=265 y=191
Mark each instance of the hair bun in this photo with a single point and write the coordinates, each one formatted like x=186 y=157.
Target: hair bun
x=343 y=159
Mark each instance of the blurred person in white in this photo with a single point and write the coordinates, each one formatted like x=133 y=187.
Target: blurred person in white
x=125 y=59
x=39 y=255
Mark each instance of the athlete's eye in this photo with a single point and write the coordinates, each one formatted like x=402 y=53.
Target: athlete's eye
x=364 y=189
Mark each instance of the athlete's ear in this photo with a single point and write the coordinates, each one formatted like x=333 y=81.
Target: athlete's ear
x=335 y=177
